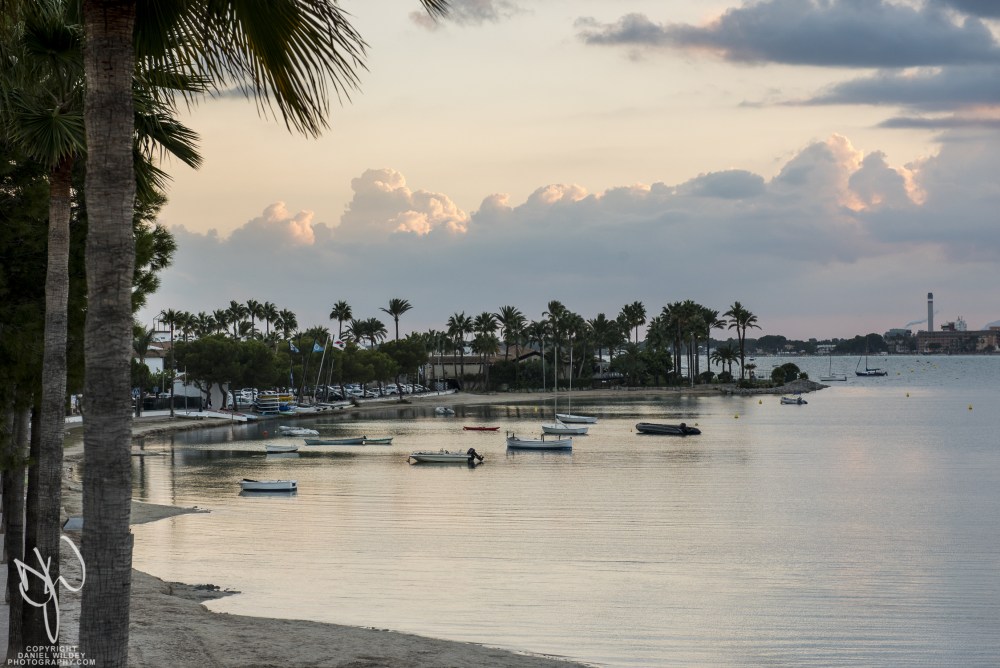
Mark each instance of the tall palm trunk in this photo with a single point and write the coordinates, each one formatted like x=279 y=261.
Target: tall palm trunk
x=45 y=489
x=110 y=191
x=13 y=516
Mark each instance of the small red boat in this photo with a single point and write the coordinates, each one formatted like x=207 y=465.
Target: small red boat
x=480 y=428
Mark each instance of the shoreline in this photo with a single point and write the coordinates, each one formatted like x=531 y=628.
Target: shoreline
x=164 y=612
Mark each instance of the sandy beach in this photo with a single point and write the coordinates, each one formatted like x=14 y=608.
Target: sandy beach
x=170 y=627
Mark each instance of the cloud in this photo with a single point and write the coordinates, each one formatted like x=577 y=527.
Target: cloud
x=279 y=227
x=983 y=8
x=803 y=249
x=939 y=89
x=828 y=33
x=384 y=205
x=469 y=13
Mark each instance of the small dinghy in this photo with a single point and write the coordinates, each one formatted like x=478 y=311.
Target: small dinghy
x=467 y=428
x=250 y=485
x=542 y=443
x=798 y=401
x=666 y=429
x=277 y=447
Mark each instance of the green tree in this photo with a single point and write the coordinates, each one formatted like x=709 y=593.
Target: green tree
x=741 y=319
x=172 y=319
x=209 y=361
x=397 y=307
x=341 y=312
x=459 y=325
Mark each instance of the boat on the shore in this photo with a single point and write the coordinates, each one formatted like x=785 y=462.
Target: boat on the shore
x=250 y=485
x=278 y=447
x=444 y=410
x=382 y=440
x=798 y=401
x=514 y=441
x=468 y=428
x=666 y=429
x=470 y=457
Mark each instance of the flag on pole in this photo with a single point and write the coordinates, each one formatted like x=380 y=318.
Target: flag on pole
x=317 y=348
x=339 y=344
x=291 y=346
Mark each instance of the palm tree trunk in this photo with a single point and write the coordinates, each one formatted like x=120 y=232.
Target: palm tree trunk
x=42 y=528
x=110 y=192
x=13 y=515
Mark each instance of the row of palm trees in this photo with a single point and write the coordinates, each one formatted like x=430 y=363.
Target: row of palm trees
x=680 y=327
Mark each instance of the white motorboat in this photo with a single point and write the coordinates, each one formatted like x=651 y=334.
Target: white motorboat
x=542 y=443
x=250 y=485
x=277 y=447
x=444 y=410
x=569 y=418
x=470 y=457
x=558 y=428
x=798 y=401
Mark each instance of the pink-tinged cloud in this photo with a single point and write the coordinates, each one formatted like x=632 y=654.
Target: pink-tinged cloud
x=384 y=205
x=279 y=226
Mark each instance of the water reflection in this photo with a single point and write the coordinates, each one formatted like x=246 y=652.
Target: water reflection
x=859 y=530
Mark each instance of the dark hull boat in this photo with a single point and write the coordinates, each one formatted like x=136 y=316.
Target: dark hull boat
x=666 y=429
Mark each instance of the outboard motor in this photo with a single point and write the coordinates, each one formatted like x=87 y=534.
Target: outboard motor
x=473 y=455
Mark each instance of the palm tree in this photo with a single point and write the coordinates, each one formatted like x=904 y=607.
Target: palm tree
x=376 y=331
x=356 y=331
x=341 y=312
x=284 y=50
x=268 y=313
x=459 y=325
x=397 y=307
x=204 y=324
x=484 y=325
x=237 y=313
x=287 y=323
x=511 y=323
x=713 y=321
x=222 y=320
x=605 y=332
x=634 y=315
x=741 y=319
x=171 y=319
x=255 y=310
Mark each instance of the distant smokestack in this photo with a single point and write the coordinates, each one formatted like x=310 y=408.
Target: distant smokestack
x=930 y=311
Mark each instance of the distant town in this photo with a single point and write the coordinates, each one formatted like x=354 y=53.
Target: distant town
x=953 y=338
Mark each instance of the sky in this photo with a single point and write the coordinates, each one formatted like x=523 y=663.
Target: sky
x=826 y=163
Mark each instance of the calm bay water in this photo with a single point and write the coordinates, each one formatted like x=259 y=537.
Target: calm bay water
x=858 y=530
